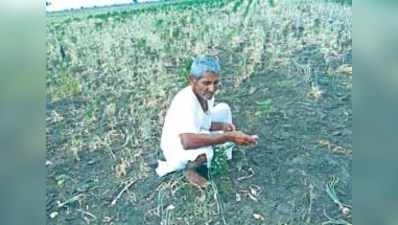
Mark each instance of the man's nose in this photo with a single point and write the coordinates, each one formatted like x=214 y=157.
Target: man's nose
x=212 y=88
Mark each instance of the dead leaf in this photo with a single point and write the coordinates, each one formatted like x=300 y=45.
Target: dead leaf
x=324 y=143
x=252 y=90
x=345 y=68
x=110 y=109
x=170 y=207
x=75 y=152
x=107 y=219
x=202 y=197
x=121 y=168
x=255 y=190
x=237 y=197
x=340 y=150
x=252 y=197
x=248 y=176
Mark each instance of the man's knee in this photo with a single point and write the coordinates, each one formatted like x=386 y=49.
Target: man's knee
x=222 y=113
x=224 y=107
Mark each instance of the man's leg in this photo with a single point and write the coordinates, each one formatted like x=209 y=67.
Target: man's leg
x=180 y=160
x=200 y=160
x=196 y=168
x=193 y=171
x=199 y=165
x=222 y=113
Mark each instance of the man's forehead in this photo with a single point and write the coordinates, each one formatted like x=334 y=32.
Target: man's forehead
x=210 y=76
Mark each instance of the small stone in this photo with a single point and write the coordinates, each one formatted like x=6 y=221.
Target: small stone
x=53 y=215
x=258 y=216
x=345 y=210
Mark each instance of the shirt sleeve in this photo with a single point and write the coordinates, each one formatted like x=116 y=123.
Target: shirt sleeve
x=185 y=117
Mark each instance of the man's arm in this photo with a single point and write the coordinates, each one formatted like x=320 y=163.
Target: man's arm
x=193 y=141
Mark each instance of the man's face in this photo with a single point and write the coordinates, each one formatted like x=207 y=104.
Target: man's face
x=206 y=86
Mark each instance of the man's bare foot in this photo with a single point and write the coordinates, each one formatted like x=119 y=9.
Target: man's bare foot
x=195 y=179
x=200 y=160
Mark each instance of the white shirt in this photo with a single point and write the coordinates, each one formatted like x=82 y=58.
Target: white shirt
x=185 y=115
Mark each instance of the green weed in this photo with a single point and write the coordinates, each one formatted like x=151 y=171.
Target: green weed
x=263 y=107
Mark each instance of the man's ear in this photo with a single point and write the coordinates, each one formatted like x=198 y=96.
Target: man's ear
x=191 y=79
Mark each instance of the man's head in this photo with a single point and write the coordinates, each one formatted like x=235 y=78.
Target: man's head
x=204 y=76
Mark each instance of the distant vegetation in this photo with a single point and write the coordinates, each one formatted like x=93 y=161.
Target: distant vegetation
x=349 y=2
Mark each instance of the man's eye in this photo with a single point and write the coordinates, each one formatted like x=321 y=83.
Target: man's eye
x=207 y=83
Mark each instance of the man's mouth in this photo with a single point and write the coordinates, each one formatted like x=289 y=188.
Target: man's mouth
x=208 y=96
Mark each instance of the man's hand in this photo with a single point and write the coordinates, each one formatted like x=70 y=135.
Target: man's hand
x=228 y=127
x=241 y=138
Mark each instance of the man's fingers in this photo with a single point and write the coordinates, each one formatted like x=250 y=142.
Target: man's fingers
x=230 y=127
x=253 y=139
x=244 y=139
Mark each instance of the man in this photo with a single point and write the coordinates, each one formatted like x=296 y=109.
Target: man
x=193 y=124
